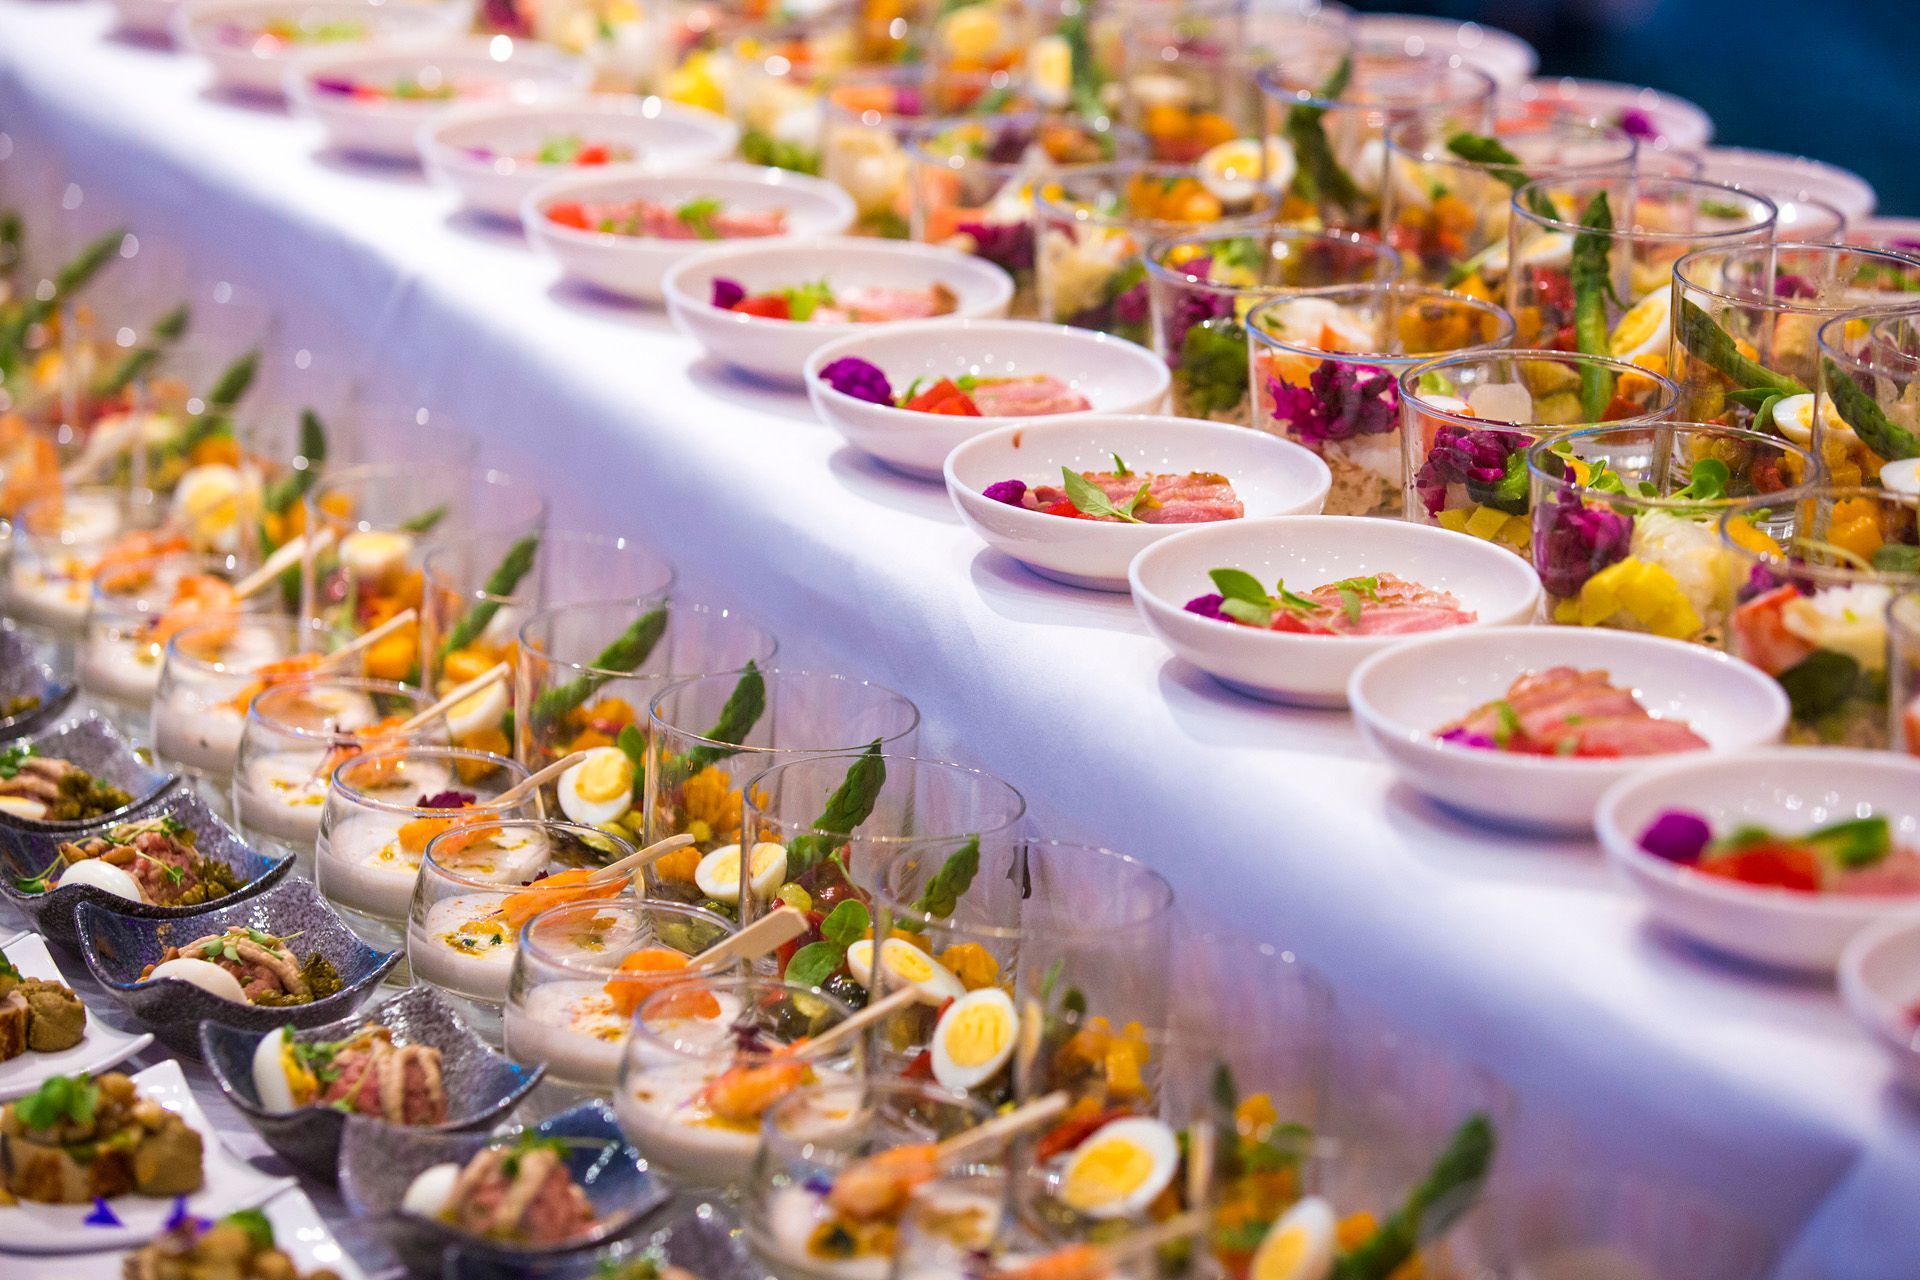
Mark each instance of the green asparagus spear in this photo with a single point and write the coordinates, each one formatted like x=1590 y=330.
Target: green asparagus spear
x=137 y=362
x=220 y=399
x=293 y=486
x=1319 y=175
x=66 y=282
x=848 y=807
x=1501 y=165
x=1592 y=282
x=953 y=879
x=626 y=651
x=13 y=234
x=743 y=709
x=1431 y=1208
x=502 y=582
x=424 y=522
x=1888 y=439
x=1713 y=346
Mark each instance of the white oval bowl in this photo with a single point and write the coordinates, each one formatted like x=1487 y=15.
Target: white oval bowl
x=665 y=136
x=1401 y=696
x=779 y=350
x=1272 y=477
x=145 y=17
x=1802 y=176
x=1115 y=377
x=1683 y=125
x=1501 y=54
x=1880 y=983
x=241 y=68
x=1310 y=551
x=635 y=266
x=389 y=129
x=1789 y=789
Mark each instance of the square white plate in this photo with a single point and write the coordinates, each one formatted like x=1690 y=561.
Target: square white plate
x=297 y=1229
x=230 y=1184
x=101 y=1047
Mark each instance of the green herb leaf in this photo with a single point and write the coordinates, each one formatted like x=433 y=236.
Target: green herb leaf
x=804 y=300
x=1451 y=1188
x=1708 y=482
x=1089 y=499
x=1254 y=615
x=283 y=493
x=814 y=963
x=1819 y=682
x=255 y=1224
x=1238 y=584
x=13 y=757
x=698 y=215
x=1120 y=467
x=1897 y=557
x=847 y=923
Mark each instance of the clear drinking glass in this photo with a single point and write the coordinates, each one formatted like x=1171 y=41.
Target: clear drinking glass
x=211 y=674
x=63 y=538
x=708 y=737
x=1903 y=626
x=1625 y=522
x=1326 y=367
x=382 y=809
x=1202 y=287
x=581 y=971
x=1187 y=83
x=136 y=609
x=870 y=113
x=708 y=1057
x=1812 y=612
x=1468 y=421
x=293 y=738
x=1867 y=425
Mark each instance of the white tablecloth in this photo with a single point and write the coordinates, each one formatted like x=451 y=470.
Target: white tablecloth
x=1523 y=954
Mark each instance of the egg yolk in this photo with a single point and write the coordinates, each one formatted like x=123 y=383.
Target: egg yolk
x=976 y=1035
x=1280 y=1257
x=300 y=1081
x=605 y=776
x=909 y=962
x=1105 y=1172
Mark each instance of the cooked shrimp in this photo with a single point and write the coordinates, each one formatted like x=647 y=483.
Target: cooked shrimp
x=879 y=1185
x=1075 y=1262
x=743 y=1093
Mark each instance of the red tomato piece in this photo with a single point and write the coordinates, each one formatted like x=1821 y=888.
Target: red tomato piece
x=595 y=153
x=569 y=215
x=770 y=305
x=1775 y=866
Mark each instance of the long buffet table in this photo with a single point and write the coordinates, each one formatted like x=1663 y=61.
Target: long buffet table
x=1517 y=952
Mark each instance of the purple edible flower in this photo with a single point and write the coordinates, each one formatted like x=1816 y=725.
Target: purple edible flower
x=907 y=102
x=1459 y=456
x=1005 y=244
x=727 y=292
x=1008 y=491
x=1904 y=246
x=1760 y=580
x=1789 y=285
x=1194 y=307
x=332 y=84
x=1572 y=542
x=1339 y=402
x=852 y=376
x=1461 y=737
x=446 y=800
x=102 y=1215
x=1636 y=123
x=1677 y=836
x=1208 y=606
x=1130 y=306
x=181 y=1218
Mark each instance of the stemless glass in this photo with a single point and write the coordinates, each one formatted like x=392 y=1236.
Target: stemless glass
x=1092 y=223
x=64 y=537
x=293 y=738
x=581 y=971
x=1747 y=324
x=479 y=589
x=382 y=808
x=586 y=674
x=1808 y=221
x=1326 y=366
x=381 y=517
x=1187 y=84
x=1468 y=421
x=1625 y=522
x=1647 y=225
x=869 y=115
x=211 y=674
x=972 y=182
x=479 y=883
x=1202 y=287
x=708 y=737
x=708 y=1057
x=814 y=1136
x=1813 y=610
x=1903 y=627
x=136 y=609
x=1449 y=191
x=1867 y=427
x=1334 y=107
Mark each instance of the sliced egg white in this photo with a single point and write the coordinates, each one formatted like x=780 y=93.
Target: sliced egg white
x=599 y=789
x=1902 y=476
x=718 y=874
x=427 y=1195
x=23 y=807
x=270 y=1070
x=1235 y=171
x=1553 y=250
x=217 y=506
x=1121 y=1169
x=1501 y=402
x=974 y=1038
x=1646 y=328
x=104 y=876
x=375 y=555
x=484 y=710
x=1300 y=1245
x=204 y=974
x=906 y=964
x=1793 y=418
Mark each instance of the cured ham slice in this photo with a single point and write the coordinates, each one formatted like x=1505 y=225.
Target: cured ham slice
x=1565 y=712
x=1193 y=498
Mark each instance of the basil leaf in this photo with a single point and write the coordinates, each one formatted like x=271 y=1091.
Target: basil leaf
x=1238 y=584
x=847 y=923
x=814 y=963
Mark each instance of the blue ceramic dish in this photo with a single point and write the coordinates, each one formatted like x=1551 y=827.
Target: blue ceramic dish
x=26 y=854
x=24 y=675
x=378 y=1163
x=118 y=948
x=695 y=1232
x=90 y=743
x=481 y=1084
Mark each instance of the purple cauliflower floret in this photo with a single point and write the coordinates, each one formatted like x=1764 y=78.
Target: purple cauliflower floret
x=1573 y=541
x=727 y=292
x=1208 y=606
x=1462 y=456
x=1010 y=492
x=852 y=376
x=1677 y=836
x=1636 y=123
x=1339 y=402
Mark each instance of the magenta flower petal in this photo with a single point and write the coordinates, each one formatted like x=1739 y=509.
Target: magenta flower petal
x=726 y=293
x=861 y=379
x=1677 y=836
x=1208 y=606
x=446 y=800
x=1011 y=492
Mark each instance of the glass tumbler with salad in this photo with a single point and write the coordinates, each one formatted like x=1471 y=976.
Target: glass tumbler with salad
x=1866 y=429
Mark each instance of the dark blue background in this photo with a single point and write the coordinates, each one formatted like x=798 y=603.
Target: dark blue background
x=1838 y=80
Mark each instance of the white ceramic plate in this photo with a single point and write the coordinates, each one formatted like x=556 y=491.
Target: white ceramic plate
x=1401 y=696
x=1310 y=551
x=1789 y=789
x=633 y=266
x=471 y=149
x=1501 y=54
x=1880 y=983
x=1899 y=234
x=297 y=1229
x=230 y=1184
x=1791 y=176
x=1112 y=374
x=519 y=70
x=778 y=349
x=260 y=67
x=1682 y=125
x=102 y=1046
x=1271 y=476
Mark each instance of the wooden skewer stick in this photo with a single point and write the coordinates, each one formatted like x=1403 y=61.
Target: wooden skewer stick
x=401 y=619
x=1148 y=1239
x=280 y=561
x=634 y=861
x=453 y=698
x=904 y=998
x=1019 y=1120
x=758 y=938
x=534 y=781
